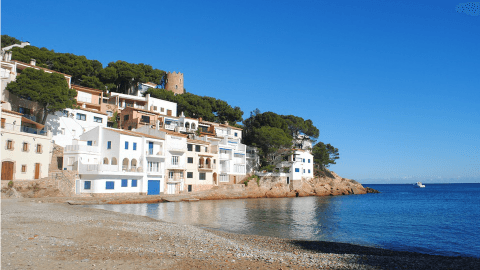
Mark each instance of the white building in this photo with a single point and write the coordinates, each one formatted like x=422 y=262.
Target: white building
x=231 y=152
x=201 y=169
x=117 y=161
x=70 y=124
x=26 y=148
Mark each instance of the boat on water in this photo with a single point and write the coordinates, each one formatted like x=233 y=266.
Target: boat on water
x=419 y=185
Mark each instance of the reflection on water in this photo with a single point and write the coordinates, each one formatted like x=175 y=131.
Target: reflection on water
x=298 y=218
x=400 y=218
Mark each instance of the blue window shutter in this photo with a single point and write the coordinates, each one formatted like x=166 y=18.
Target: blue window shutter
x=308 y=170
x=89 y=143
x=124 y=182
x=134 y=146
x=297 y=170
x=308 y=160
x=87 y=184
x=109 y=145
x=109 y=185
x=126 y=145
x=134 y=182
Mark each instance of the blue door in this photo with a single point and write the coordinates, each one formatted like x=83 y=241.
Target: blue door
x=153 y=187
x=150 y=148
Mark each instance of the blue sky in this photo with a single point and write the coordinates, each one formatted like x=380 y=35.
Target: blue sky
x=395 y=85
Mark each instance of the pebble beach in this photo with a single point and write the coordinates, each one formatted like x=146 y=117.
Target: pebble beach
x=39 y=235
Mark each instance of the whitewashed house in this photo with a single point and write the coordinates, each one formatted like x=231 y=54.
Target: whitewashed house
x=175 y=161
x=201 y=169
x=117 y=161
x=69 y=124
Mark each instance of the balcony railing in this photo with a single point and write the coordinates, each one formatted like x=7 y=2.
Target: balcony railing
x=99 y=168
x=170 y=127
x=154 y=153
x=207 y=166
x=81 y=148
x=176 y=166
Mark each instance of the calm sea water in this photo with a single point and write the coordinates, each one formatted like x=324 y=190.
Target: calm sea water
x=441 y=219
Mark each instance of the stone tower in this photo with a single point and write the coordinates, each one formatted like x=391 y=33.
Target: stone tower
x=174 y=82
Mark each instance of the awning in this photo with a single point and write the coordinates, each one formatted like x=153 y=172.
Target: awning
x=38 y=125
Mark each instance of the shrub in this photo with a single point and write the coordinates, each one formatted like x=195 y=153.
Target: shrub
x=10 y=184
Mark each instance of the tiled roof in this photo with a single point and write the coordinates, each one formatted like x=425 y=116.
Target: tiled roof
x=133 y=133
x=86 y=89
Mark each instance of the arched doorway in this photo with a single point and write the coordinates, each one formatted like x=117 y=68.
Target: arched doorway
x=133 y=165
x=125 y=164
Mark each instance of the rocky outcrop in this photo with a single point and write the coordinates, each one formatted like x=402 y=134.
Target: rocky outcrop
x=326 y=183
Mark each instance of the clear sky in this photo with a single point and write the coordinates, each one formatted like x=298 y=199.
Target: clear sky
x=395 y=85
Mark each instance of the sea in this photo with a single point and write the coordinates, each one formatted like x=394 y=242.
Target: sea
x=440 y=219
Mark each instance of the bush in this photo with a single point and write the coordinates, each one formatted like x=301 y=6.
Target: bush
x=10 y=184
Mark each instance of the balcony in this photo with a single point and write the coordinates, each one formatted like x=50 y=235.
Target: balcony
x=80 y=148
x=108 y=169
x=175 y=180
x=170 y=127
x=224 y=156
x=153 y=153
x=180 y=166
x=207 y=167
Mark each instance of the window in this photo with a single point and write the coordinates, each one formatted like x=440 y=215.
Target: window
x=170 y=175
x=24 y=110
x=24 y=168
x=308 y=170
x=236 y=134
x=97 y=119
x=308 y=160
x=303 y=170
x=201 y=176
x=25 y=147
x=155 y=108
x=126 y=145
x=134 y=182
x=62 y=131
x=125 y=118
x=197 y=148
x=206 y=149
x=189 y=174
x=89 y=143
x=134 y=146
x=145 y=119
x=109 y=185
x=105 y=161
x=189 y=147
x=109 y=145
x=190 y=160
x=81 y=116
x=174 y=160
x=189 y=188
x=39 y=148
x=110 y=113
x=87 y=184
x=304 y=160
x=74 y=132
x=297 y=170
x=124 y=182
x=9 y=145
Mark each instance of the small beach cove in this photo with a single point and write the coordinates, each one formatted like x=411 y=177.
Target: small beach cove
x=58 y=235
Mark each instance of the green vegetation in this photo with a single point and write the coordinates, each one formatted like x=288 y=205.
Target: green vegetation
x=256 y=177
x=324 y=155
x=274 y=135
x=8 y=40
x=114 y=120
x=208 y=108
x=50 y=90
x=10 y=183
x=118 y=76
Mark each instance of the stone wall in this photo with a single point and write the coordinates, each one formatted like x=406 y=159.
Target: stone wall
x=57 y=158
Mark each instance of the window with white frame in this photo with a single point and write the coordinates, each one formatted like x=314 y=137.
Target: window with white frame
x=97 y=119
x=170 y=175
x=202 y=176
x=175 y=160
x=223 y=178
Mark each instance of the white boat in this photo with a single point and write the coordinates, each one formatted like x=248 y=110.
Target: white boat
x=419 y=185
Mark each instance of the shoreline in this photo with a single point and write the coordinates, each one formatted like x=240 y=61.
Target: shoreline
x=59 y=235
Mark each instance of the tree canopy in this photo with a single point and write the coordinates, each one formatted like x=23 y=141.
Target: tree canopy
x=50 y=90
x=324 y=154
x=195 y=106
x=273 y=134
x=8 y=40
x=119 y=76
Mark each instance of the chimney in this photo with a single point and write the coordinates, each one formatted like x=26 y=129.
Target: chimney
x=33 y=62
x=226 y=123
x=200 y=119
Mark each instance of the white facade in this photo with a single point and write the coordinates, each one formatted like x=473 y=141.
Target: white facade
x=116 y=161
x=175 y=162
x=161 y=106
x=70 y=124
x=26 y=151
x=201 y=168
x=231 y=154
